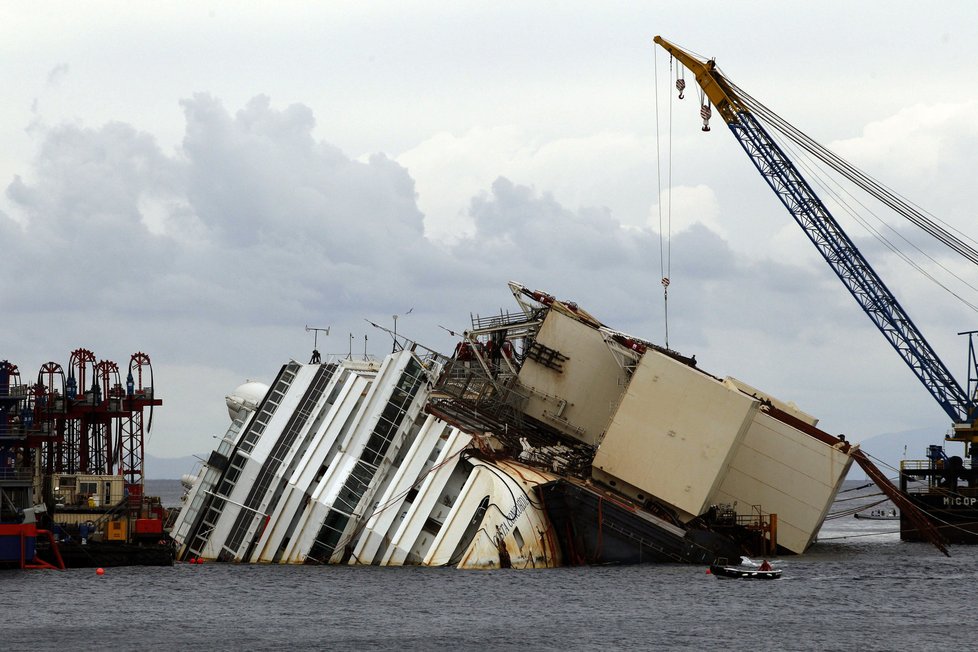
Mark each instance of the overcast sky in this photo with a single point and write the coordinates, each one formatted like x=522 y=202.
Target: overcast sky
x=201 y=180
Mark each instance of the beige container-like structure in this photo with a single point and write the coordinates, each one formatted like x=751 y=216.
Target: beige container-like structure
x=576 y=388
x=669 y=432
x=675 y=433
x=787 y=472
x=693 y=441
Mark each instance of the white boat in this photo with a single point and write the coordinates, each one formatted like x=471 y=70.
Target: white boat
x=746 y=570
x=878 y=515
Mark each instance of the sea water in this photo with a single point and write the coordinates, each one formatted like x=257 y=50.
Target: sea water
x=858 y=588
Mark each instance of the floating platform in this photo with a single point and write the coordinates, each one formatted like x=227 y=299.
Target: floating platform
x=107 y=554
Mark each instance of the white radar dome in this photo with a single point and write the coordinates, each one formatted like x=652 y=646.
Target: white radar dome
x=245 y=398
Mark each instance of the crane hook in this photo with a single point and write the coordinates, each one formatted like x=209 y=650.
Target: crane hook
x=705 y=113
x=681 y=85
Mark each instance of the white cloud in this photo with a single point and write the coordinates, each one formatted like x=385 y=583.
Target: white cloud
x=690 y=205
x=603 y=169
x=916 y=146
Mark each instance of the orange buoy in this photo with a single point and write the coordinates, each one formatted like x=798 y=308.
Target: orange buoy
x=100 y=571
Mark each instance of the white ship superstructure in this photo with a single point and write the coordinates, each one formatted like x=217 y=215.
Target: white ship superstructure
x=226 y=495
x=337 y=463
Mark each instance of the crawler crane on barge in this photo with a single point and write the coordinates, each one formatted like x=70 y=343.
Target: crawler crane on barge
x=940 y=511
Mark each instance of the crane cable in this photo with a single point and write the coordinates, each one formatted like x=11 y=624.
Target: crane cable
x=940 y=230
x=816 y=176
x=665 y=241
x=943 y=232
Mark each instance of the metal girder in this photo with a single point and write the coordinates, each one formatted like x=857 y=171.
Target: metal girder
x=850 y=266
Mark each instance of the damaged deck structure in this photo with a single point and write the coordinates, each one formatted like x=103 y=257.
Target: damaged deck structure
x=546 y=439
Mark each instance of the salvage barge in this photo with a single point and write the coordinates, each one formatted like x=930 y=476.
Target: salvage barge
x=946 y=489
x=546 y=439
x=71 y=467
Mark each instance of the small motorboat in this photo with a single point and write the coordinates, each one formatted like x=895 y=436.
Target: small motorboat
x=746 y=570
x=879 y=515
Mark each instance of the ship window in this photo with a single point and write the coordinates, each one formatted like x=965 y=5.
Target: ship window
x=339 y=385
x=87 y=487
x=321 y=472
x=518 y=537
x=232 y=475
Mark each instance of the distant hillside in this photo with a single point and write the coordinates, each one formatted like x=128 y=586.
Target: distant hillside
x=887 y=449
x=169 y=468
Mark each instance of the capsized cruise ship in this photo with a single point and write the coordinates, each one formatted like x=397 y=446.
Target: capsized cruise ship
x=545 y=439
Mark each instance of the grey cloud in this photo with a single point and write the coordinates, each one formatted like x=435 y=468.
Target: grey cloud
x=285 y=226
x=262 y=229
x=514 y=219
x=56 y=74
x=261 y=179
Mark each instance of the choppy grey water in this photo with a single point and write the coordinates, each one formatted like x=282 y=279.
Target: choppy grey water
x=858 y=588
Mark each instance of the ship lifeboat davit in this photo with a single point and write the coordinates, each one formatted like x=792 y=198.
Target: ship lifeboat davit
x=245 y=398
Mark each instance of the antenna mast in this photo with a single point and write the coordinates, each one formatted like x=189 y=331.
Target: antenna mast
x=316 y=359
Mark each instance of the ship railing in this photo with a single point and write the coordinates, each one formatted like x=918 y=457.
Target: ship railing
x=928 y=465
x=433 y=361
x=916 y=465
x=502 y=320
x=19 y=391
x=930 y=477
x=763 y=524
x=337 y=358
x=467 y=381
x=16 y=475
x=14 y=436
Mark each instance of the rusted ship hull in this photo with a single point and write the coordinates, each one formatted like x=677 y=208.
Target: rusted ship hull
x=594 y=527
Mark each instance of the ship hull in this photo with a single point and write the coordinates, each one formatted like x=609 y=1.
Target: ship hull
x=955 y=517
x=592 y=527
x=109 y=554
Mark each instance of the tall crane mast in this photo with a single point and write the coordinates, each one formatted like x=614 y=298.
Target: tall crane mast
x=839 y=252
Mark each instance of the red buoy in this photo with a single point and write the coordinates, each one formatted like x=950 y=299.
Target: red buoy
x=100 y=571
